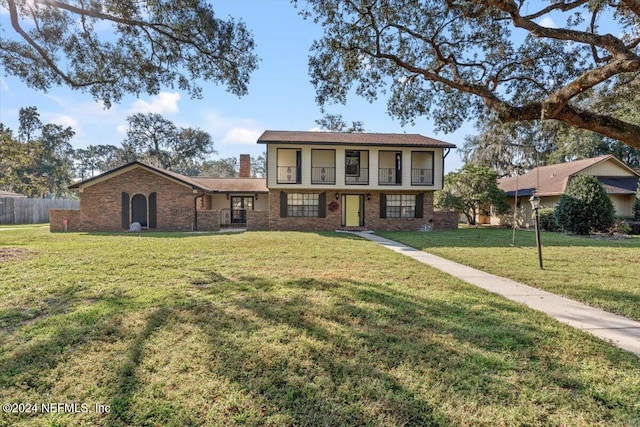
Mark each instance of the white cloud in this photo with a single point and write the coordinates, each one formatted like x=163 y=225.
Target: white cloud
x=316 y=129
x=547 y=22
x=4 y=86
x=122 y=129
x=164 y=102
x=241 y=136
x=231 y=130
x=65 y=121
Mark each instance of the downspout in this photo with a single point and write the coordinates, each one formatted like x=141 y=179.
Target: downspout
x=446 y=153
x=195 y=211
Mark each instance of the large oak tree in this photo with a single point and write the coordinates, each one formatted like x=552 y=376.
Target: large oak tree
x=114 y=47
x=453 y=60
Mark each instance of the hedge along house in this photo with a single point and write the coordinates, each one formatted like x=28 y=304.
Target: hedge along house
x=331 y=180
x=550 y=182
x=163 y=200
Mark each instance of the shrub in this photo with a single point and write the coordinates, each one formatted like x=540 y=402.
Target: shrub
x=636 y=206
x=635 y=227
x=622 y=227
x=548 y=220
x=585 y=207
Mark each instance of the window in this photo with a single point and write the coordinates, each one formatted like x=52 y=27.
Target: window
x=356 y=167
x=352 y=163
x=299 y=204
x=401 y=206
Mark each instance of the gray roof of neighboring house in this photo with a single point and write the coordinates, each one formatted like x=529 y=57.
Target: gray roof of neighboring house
x=552 y=180
x=201 y=183
x=619 y=184
x=346 y=138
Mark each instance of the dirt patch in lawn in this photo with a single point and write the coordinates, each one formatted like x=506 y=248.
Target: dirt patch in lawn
x=10 y=254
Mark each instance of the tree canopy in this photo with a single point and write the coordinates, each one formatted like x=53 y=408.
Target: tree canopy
x=335 y=123
x=39 y=161
x=114 y=47
x=459 y=59
x=471 y=191
x=154 y=139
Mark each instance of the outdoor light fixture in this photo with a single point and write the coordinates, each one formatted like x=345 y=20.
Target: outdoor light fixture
x=535 y=204
x=368 y=196
x=256 y=196
x=337 y=196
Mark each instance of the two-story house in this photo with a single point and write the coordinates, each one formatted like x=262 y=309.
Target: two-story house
x=330 y=180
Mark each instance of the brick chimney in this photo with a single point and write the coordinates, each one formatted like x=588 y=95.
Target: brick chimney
x=245 y=166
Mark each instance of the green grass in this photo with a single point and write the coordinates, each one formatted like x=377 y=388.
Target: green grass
x=599 y=272
x=284 y=329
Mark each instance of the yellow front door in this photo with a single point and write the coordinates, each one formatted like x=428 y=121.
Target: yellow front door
x=352 y=210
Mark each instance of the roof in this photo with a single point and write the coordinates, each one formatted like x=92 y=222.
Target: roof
x=346 y=138
x=199 y=183
x=619 y=184
x=10 y=194
x=249 y=185
x=552 y=180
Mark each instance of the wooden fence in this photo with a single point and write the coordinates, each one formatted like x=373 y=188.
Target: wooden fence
x=20 y=210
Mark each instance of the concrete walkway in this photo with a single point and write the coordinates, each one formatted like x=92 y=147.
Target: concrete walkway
x=620 y=331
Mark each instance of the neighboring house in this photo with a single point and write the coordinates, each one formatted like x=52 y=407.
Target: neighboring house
x=10 y=194
x=330 y=180
x=618 y=179
x=162 y=200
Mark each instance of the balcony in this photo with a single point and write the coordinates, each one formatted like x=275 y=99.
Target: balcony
x=289 y=175
x=362 y=178
x=388 y=176
x=323 y=175
x=421 y=176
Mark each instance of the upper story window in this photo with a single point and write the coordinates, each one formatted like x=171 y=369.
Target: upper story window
x=289 y=166
x=356 y=167
x=422 y=168
x=390 y=168
x=323 y=166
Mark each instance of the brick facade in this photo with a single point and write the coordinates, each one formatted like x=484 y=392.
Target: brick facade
x=57 y=217
x=445 y=220
x=333 y=219
x=101 y=203
x=257 y=220
x=208 y=220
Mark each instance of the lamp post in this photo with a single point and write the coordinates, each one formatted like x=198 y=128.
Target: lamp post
x=535 y=204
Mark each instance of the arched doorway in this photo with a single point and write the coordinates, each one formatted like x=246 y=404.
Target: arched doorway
x=139 y=209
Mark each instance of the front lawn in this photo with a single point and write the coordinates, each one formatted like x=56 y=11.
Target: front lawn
x=283 y=329
x=600 y=272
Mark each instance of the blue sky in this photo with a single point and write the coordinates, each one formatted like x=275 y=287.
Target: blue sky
x=280 y=94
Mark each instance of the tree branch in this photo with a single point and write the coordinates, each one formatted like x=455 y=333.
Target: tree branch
x=13 y=12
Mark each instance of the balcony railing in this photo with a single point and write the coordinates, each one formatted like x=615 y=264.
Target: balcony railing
x=288 y=175
x=323 y=175
x=421 y=176
x=361 y=179
x=387 y=176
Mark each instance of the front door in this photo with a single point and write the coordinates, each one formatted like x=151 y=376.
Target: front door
x=353 y=210
x=139 y=209
x=239 y=207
